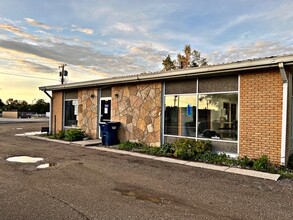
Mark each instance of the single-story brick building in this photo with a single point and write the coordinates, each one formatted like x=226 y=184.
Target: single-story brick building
x=243 y=108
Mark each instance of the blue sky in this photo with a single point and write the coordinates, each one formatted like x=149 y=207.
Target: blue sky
x=98 y=39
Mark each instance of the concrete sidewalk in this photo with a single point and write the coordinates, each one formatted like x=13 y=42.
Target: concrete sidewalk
x=91 y=144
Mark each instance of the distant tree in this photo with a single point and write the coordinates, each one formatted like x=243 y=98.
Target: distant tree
x=168 y=63
x=2 y=104
x=184 y=60
x=40 y=106
x=23 y=106
x=189 y=58
x=11 y=104
x=197 y=60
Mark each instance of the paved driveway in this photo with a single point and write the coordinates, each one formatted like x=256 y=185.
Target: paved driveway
x=89 y=184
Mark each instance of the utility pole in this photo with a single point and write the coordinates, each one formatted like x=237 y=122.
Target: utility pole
x=63 y=73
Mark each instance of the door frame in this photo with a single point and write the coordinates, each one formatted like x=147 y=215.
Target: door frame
x=100 y=112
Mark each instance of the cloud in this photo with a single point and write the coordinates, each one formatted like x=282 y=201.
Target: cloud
x=257 y=49
x=17 y=31
x=31 y=66
x=36 y=23
x=123 y=27
x=82 y=30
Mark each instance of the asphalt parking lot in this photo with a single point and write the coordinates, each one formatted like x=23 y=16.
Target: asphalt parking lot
x=89 y=184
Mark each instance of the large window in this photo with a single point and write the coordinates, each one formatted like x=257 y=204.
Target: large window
x=218 y=116
x=70 y=108
x=180 y=115
x=215 y=117
x=71 y=111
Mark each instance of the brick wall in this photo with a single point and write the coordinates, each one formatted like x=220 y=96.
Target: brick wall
x=261 y=114
x=57 y=110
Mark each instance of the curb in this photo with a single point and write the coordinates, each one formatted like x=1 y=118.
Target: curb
x=234 y=170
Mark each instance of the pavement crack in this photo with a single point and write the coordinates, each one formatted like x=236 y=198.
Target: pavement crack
x=64 y=202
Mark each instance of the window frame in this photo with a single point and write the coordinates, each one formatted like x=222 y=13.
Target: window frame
x=197 y=104
x=64 y=113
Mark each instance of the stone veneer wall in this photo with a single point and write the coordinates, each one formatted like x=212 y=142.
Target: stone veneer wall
x=138 y=108
x=261 y=114
x=88 y=111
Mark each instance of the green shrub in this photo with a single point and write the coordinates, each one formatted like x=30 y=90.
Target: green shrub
x=285 y=173
x=74 y=134
x=150 y=150
x=290 y=162
x=60 y=135
x=262 y=164
x=166 y=150
x=244 y=162
x=211 y=157
x=185 y=148
x=127 y=145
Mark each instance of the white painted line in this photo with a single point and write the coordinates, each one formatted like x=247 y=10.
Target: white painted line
x=253 y=173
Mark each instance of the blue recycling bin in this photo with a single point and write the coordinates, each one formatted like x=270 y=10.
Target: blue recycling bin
x=109 y=133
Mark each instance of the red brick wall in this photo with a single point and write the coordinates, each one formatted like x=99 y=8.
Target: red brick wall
x=261 y=114
x=57 y=110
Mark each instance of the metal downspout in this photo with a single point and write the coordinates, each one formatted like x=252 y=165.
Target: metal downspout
x=51 y=111
x=284 y=113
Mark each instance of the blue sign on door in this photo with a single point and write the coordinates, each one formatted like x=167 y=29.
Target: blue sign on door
x=189 y=110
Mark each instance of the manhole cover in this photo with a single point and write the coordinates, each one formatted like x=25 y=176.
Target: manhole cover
x=24 y=159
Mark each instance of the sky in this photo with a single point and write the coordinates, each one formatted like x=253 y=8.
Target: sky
x=98 y=39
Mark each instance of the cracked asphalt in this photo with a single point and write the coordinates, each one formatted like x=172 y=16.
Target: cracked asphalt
x=90 y=184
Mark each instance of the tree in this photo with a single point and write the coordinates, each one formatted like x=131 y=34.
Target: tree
x=197 y=60
x=40 y=106
x=190 y=58
x=168 y=63
x=1 y=104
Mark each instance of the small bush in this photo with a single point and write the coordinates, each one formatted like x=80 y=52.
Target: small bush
x=60 y=135
x=244 y=162
x=74 y=134
x=285 y=173
x=127 y=145
x=211 y=157
x=185 y=148
x=263 y=164
x=166 y=150
x=150 y=150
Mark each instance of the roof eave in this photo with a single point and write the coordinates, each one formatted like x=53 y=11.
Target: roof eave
x=207 y=70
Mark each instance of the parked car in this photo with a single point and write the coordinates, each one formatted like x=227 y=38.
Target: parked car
x=24 y=115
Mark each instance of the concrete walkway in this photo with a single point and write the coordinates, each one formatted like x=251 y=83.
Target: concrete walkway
x=91 y=144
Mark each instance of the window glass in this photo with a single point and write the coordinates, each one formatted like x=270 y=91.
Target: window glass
x=180 y=115
x=71 y=111
x=218 y=116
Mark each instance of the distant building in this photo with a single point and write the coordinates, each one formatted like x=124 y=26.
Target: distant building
x=10 y=114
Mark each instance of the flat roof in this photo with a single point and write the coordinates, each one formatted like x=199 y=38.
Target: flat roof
x=218 y=69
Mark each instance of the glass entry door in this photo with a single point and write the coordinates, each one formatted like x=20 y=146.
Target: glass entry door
x=105 y=113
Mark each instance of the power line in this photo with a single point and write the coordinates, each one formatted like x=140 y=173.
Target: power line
x=36 y=77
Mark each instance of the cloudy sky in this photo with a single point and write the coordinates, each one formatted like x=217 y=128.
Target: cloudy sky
x=98 y=38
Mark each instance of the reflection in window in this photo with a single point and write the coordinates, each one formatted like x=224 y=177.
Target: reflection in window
x=71 y=111
x=180 y=115
x=217 y=116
